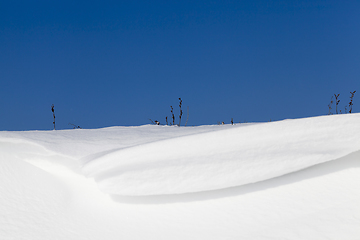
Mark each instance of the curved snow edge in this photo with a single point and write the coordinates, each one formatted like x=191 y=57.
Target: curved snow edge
x=226 y=158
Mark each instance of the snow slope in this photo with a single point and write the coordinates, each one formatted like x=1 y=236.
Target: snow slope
x=232 y=157
x=292 y=179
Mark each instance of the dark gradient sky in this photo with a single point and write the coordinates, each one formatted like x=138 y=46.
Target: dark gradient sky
x=110 y=63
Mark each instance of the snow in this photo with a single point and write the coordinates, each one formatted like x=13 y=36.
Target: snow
x=291 y=179
x=213 y=160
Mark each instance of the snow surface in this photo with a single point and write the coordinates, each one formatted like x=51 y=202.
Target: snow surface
x=292 y=179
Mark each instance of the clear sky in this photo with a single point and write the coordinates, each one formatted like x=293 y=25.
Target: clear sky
x=111 y=63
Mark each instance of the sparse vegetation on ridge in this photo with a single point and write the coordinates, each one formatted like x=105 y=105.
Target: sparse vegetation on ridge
x=348 y=109
x=173 y=116
x=337 y=101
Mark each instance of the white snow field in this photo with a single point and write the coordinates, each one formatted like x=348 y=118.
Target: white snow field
x=291 y=179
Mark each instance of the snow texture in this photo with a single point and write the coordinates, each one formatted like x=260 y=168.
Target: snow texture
x=216 y=160
x=292 y=179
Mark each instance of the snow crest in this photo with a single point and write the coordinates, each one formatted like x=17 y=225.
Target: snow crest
x=237 y=155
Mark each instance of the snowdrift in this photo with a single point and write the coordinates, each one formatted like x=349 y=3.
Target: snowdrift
x=231 y=157
x=134 y=173
x=161 y=160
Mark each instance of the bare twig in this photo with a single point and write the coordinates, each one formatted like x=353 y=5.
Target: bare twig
x=75 y=126
x=351 y=101
x=53 y=111
x=173 y=116
x=181 y=112
x=337 y=102
x=330 y=104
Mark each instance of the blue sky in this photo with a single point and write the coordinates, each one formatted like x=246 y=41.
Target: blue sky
x=111 y=63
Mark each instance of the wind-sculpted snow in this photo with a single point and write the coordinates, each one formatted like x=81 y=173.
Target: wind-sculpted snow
x=79 y=143
x=71 y=145
x=134 y=164
x=231 y=157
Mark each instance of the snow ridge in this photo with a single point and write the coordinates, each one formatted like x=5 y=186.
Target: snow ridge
x=231 y=157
